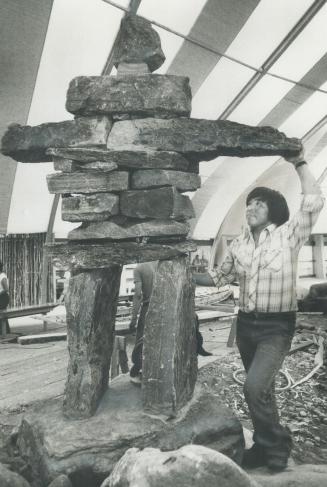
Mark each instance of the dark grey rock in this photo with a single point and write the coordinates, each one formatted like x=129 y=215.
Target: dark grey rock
x=123 y=97
x=91 y=304
x=94 y=207
x=201 y=140
x=67 y=165
x=122 y=228
x=87 y=182
x=87 y=450
x=29 y=144
x=169 y=369
x=183 y=181
x=132 y=159
x=138 y=42
x=61 y=481
x=160 y=203
x=11 y=479
x=93 y=255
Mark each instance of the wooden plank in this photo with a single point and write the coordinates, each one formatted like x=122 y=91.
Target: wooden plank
x=45 y=337
x=27 y=310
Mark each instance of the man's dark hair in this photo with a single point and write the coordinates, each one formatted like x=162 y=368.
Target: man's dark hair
x=278 y=212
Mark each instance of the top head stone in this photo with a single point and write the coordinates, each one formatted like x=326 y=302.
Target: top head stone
x=138 y=42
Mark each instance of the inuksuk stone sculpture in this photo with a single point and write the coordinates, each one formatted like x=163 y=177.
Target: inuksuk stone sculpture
x=122 y=166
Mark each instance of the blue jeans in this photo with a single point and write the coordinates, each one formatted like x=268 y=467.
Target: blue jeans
x=263 y=340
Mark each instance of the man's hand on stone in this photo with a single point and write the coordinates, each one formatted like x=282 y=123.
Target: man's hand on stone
x=295 y=159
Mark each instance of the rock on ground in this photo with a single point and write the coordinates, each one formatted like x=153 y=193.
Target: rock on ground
x=191 y=465
x=87 y=450
x=61 y=481
x=297 y=476
x=11 y=479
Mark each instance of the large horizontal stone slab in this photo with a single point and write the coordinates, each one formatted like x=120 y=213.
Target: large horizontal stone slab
x=87 y=182
x=29 y=144
x=87 y=450
x=67 y=165
x=130 y=158
x=183 y=181
x=120 y=229
x=123 y=97
x=138 y=42
x=88 y=208
x=199 y=139
x=159 y=203
x=78 y=256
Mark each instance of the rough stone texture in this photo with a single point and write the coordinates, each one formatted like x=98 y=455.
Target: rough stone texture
x=61 y=481
x=122 y=228
x=169 y=369
x=87 y=450
x=132 y=159
x=95 y=207
x=91 y=304
x=191 y=465
x=29 y=144
x=130 y=96
x=183 y=181
x=297 y=476
x=11 y=479
x=67 y=165
x=201 y=139
x=160 y=203
x=96 y=256
x=138 y=42
x=87 y=182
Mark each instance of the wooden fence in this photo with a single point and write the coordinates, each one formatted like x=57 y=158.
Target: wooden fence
x=22 y=255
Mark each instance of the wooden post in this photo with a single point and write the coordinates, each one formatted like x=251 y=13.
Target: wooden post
x=319 y=265
x=169 y=355
x=91 y=304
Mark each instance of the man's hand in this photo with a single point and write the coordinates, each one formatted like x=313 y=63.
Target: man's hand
x=295 y=159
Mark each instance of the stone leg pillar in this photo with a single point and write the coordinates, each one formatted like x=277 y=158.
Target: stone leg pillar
x=91 y=304
x=169 y=353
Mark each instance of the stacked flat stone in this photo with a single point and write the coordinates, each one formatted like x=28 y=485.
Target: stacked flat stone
x=132 y=150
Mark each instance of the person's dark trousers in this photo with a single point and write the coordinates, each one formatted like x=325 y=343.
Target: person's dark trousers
x=138 y=348
x=4 y=301
x=264 y=340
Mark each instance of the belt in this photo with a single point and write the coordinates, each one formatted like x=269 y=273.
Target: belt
x=261 y=314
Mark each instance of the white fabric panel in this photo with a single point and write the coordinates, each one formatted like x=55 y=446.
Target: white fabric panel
x=79 y=38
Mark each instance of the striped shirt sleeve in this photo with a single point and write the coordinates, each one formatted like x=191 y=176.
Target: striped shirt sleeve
x=226 y=273
x=300 y=226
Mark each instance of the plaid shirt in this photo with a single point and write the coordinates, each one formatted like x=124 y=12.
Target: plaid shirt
x=267 y=273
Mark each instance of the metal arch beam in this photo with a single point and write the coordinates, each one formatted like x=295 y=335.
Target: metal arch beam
x=276 y=54
x=132 y=8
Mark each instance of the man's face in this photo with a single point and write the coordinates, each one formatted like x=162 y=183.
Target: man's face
x=257 y=213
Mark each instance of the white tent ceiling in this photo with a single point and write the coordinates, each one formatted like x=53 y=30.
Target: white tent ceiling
x=46 y=43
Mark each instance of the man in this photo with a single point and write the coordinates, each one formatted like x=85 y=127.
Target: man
x=4 y=297
x=143 y=280
x=264 y=259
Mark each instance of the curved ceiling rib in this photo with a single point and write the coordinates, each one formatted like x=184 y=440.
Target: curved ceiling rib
x=280 y=49
x=211 y=29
